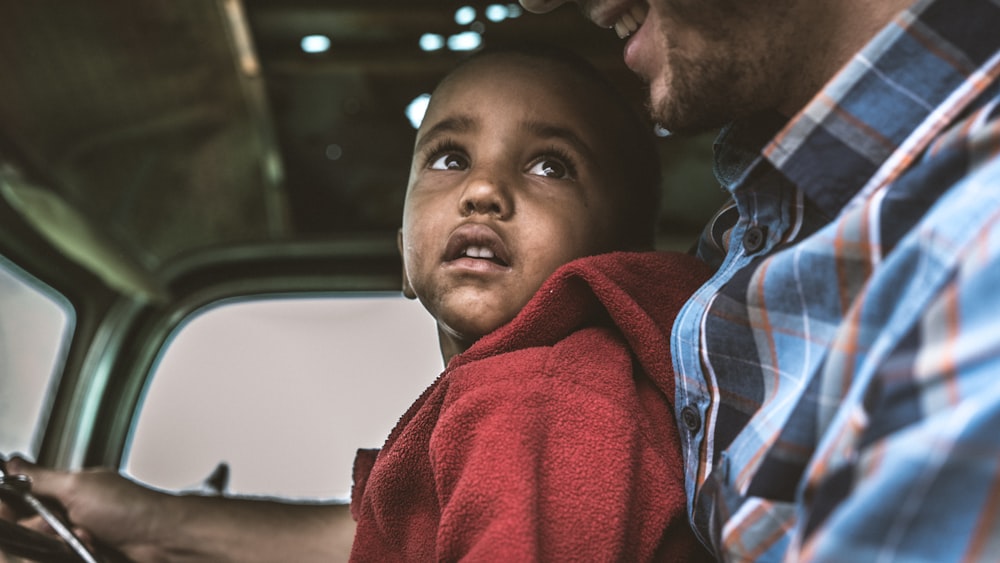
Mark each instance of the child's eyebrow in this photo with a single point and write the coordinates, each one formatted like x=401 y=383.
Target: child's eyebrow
x=549 y=130
x=455 y=124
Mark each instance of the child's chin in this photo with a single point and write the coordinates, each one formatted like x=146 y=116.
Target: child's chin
x=473 y=325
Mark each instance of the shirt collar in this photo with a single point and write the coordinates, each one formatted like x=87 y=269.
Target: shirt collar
x=739 y=143
x=897 y=93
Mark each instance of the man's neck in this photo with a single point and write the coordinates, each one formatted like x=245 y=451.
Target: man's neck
x=844 y=27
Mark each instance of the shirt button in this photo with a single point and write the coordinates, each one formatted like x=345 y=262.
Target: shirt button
x=754 y=238
x=691 y=418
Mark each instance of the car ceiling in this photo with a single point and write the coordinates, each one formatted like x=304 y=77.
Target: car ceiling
x=170 y=126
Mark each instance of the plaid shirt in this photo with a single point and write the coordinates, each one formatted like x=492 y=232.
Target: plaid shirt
x=839 y=377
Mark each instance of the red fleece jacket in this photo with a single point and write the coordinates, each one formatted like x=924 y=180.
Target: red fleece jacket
x=550 y=439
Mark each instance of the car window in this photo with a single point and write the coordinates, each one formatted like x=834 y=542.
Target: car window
x=36 y=324
x=283 y=390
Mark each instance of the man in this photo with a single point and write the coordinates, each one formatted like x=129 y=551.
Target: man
x=839 y=377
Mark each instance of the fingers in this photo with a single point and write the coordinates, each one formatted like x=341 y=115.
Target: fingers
x=7 y=513
x=9 y=510
x=109 y=508
x=44 y=481
x=15 y=466
x=50 y=513
x=37 y=524
x=18 y=465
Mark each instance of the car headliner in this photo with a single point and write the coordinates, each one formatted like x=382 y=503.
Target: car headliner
x=133 y=133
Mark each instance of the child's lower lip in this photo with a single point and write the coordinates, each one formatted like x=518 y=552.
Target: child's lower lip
x=475 y=265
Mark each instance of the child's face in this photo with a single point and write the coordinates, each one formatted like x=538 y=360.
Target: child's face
x=509 y=181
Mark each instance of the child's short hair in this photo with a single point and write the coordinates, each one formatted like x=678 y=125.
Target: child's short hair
x=639 y=196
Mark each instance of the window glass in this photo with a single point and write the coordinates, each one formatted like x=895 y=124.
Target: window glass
x=35 y=328
x=283 y=390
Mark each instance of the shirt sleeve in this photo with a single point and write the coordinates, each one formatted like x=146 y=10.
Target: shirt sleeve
x=924 y=481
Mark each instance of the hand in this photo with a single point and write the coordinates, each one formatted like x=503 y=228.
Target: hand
x=147 y=525
x=100 y=503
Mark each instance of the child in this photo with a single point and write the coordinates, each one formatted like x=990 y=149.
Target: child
x=550 y=435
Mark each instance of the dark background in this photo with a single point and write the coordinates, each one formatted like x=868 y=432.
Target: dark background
x=174 y=125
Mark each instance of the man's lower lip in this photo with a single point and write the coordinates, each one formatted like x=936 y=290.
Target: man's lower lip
x=630 y=53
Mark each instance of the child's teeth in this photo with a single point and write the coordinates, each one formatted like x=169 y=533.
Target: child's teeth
x=478 y=252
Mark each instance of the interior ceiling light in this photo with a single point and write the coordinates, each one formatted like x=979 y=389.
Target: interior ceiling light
x=497 y=12
x=431 y=41
x=465 y=15
x=416 y=109
x=315 y=43
x=466 y=41
x=334 y=151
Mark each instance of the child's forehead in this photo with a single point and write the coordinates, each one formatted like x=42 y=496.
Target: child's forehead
x=530 y=89
x=514 y=72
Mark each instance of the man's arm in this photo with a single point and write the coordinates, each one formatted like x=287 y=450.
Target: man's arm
x=149 y=525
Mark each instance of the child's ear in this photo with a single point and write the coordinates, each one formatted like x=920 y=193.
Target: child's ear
x=407 y=290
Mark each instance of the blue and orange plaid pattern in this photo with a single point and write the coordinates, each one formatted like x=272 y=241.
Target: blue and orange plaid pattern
x=840 y=381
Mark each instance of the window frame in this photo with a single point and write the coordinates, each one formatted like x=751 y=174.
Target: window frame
x=346 y=267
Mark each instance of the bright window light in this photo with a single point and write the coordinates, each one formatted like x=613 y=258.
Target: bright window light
x=354 y=404
x=35 y=328
x=661 y=131
x=467 y=41
x=497 y=12
x=465 y=15
x=431 y=42
x=315 y=43
x=514 y=10
x=416 y=110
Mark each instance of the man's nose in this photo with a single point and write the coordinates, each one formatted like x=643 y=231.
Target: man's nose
x=541 y=6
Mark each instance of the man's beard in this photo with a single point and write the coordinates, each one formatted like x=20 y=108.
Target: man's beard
x=705 y=95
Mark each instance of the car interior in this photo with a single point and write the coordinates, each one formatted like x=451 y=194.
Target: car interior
x=211 y=189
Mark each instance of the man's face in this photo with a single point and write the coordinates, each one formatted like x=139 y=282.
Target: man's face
x=708 y=62
x=509 y=181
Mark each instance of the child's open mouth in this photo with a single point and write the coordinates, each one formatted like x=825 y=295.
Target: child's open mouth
x=483 y=253
x=477 y=242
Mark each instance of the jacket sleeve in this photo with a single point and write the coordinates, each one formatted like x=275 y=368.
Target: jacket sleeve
x=559 y=454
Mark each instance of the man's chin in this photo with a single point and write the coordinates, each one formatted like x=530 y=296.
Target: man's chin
x=685 y=123
x=682 y=117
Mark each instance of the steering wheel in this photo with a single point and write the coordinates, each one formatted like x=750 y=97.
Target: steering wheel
x=29 y=544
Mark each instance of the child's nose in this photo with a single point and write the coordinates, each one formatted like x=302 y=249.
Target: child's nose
x=485 y=196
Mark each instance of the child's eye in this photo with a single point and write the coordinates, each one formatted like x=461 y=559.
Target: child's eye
x=449 y=161
x=551 y=168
